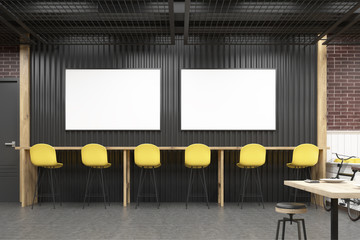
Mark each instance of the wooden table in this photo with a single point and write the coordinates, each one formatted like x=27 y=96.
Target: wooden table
x=28 y=172
x=331 y=190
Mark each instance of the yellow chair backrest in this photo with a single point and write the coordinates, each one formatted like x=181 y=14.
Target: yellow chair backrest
x=93 y=155
x=197 y=155
x=43 y=155
x=253 y=155
x=305 y=155
x=147 y=155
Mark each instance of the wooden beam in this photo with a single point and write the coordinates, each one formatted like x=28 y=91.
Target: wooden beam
x=124 y=178
x=28 y=173
x=128 y=176
x=221 y=178
x=121 y=148
x=319 y=171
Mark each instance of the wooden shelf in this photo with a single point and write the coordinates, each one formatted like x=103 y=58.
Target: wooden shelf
x=169 y=148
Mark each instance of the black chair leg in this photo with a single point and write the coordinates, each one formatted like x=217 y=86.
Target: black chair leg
x=244 y=187
x=156 y=192
x=90 y=185
x=278 y=228
x=189 y=188
x=87 y=186
x=312 y=194
x=304 y=229
x=107 y=191
x=102 y=185
x=36 y=192
x=299 y=229
x=297 y=178
x=57 y=184
x=139 y=188
x=283 y=230
x=261 y=193
x=52 y=186
x=205 y=187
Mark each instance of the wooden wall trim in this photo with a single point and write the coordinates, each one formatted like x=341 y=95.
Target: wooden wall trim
x=322 y=105
x=28 y=172
x=319 y=171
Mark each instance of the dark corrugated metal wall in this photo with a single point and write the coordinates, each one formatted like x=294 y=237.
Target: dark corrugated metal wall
x=296 y=111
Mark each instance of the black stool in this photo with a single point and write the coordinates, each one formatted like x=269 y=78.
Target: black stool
x=291 y=209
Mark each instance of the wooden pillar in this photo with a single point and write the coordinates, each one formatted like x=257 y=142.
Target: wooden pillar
x=319 y=171
x=28 y=173
x=221 y=177
x=125 y=153
x=128 y=177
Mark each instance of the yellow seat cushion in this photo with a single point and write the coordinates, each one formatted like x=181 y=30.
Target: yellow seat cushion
x=107 y=165
x=245 y=166
x=57 y=165
x=191 y=166
x=291 y=165
x=147 y=166
x=352 y=160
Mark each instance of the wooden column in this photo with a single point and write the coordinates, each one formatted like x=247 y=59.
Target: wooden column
x=125 y=153
x=319 y=171
x=128 y=176
x=28 y=173
x=221 y=177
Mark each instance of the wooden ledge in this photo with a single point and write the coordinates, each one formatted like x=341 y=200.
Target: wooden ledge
x=283 y=148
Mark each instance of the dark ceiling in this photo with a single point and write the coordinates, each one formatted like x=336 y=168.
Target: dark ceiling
x=199 y=21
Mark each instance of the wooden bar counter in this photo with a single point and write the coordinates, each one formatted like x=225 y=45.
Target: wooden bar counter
x=28 y=182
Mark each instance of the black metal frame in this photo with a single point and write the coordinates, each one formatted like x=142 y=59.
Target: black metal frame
x=203 y=183
x=139 y=22
x=263 y=22
x=89 y=182
x=94 y=21
x=291 y=220
x=51 y=180
x=258 y=184
x=141 y=184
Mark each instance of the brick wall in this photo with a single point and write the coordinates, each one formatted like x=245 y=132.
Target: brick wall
x=9 y=61
x=343 y=87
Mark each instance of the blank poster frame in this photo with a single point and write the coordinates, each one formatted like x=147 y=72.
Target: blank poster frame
x=201 y=108
x=147 y=112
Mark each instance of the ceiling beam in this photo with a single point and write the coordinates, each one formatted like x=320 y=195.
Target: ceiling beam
x=186 y=21
x=18 y=21
x=329 y=39
x=13 y=28
x=331 y=28
x=172 y=21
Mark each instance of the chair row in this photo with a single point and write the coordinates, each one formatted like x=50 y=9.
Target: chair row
x=147 y=157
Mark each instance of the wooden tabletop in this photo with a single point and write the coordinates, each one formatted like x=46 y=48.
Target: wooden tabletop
x=345 y=189
x=165 y=148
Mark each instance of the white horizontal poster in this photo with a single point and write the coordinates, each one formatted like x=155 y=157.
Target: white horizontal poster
x=112 y=99
x=228 y=99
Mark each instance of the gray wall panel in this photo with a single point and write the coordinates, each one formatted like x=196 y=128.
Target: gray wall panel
x=296 y=102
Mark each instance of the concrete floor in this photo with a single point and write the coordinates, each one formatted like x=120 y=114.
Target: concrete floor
x=171 y=221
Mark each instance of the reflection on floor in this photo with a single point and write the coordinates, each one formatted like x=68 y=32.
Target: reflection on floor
x=171 y=221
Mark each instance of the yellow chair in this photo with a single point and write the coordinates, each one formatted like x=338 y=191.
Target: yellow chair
x=147 y=157
x=304 y=156
x=252 y=156
x=95 y=157
x=44 y=157
x=197 y=156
